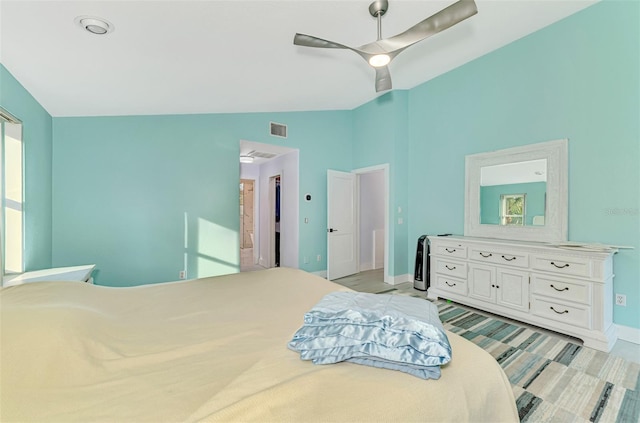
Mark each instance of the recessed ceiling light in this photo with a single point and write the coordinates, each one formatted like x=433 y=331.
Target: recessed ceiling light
x=246 y=159
x=94 y=25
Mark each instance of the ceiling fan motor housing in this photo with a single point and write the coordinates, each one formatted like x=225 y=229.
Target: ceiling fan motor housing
x=378 y=7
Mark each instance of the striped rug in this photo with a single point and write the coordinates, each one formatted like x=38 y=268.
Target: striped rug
x=553 y=380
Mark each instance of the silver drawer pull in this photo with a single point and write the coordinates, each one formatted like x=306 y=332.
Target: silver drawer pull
x=450 y=251
x=560 y=267
x=509 y=259
x=563 y=289
x=485 y=256
x=450 y=268
x=559 y=312
x=449 y=283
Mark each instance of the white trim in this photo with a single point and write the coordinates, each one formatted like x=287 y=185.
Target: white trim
x=321 y=273
x=395 y=280
x=629 y=334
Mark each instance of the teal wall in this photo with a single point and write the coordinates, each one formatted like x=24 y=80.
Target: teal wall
x=534 y=201
x=380 y=137
x=37 y=139
x=576 y=79
x=123 y=186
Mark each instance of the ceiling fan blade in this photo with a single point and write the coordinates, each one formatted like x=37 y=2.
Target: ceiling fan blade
x=438 y=22
x=383 y=79
x=311 y=41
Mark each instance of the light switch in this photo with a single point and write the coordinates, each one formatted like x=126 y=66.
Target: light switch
x=400 y=221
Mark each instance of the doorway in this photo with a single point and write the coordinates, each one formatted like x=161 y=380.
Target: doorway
x=370 y=250
x=247 y=218
x=275 y=196
x=371 y=220
x=262 y=162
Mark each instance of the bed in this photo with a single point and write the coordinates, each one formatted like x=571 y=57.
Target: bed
x=212 y=349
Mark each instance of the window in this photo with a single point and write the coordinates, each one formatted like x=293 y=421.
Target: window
x=512 y=209
x=12 y=194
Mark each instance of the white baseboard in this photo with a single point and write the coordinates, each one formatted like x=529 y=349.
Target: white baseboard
x=321 y=273
x=366 y=266
x=628 y=334
x=395 y=280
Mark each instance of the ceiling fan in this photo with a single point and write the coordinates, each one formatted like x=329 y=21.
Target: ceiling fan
x=380 y=52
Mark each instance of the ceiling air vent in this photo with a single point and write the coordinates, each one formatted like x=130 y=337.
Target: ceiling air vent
x=261 y=154
x=278 y=130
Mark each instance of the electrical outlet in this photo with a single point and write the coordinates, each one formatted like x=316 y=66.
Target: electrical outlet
x=319 y=258
x=306 y=260
x=621 y=300
x=182 y=274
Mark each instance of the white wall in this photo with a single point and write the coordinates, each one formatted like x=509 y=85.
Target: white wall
x=371 y=214
x=286 y=166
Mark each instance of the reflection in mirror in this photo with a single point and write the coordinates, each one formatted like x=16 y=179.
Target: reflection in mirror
x=513 y=194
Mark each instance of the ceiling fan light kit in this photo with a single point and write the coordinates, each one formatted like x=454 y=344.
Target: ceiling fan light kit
x=381 y=52
x=379 y=60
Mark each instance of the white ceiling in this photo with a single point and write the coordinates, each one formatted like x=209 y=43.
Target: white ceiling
x=176 y=57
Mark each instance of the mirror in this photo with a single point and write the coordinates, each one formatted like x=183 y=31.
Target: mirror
x=518 y=193
x=513 y=194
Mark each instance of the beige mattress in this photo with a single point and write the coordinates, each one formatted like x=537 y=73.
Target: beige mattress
x=211 y=349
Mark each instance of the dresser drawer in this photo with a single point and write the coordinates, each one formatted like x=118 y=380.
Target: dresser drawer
x=499 y=257
x=454 y=285
x=450 y=268
x=562 y=290
x=450 y=250
x=575 y=315
x=562 y=265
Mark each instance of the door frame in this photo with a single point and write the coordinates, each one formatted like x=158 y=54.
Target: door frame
x=388 y=240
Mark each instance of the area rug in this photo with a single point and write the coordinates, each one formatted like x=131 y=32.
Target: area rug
x=553 y=380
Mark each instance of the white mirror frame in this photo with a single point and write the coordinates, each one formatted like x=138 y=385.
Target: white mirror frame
x=556 y=212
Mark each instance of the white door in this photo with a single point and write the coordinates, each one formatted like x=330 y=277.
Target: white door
x=342 y=249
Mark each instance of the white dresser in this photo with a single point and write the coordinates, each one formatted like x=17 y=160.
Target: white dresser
x=565 y=290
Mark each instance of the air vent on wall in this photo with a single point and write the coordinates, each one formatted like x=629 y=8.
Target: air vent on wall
x=278 y=130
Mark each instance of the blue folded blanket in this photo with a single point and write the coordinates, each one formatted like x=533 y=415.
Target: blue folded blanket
x=388 y=331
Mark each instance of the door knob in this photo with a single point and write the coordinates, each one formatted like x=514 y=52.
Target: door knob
x=332 y=230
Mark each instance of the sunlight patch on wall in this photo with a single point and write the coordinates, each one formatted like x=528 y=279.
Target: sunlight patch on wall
x=218 y=249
